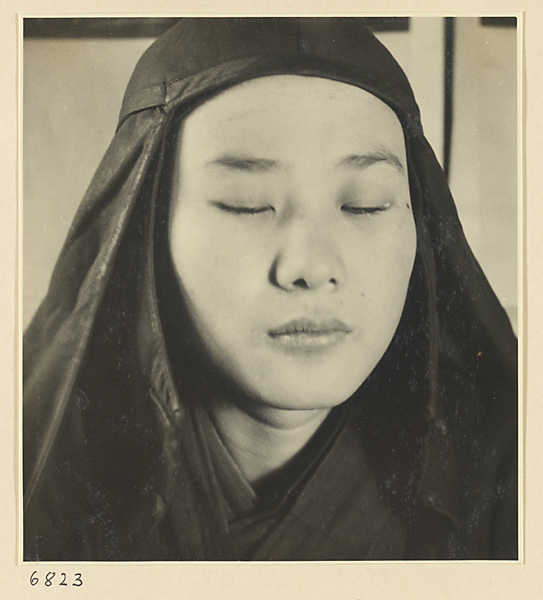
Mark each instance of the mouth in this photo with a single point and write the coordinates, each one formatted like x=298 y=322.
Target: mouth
x=306 y=334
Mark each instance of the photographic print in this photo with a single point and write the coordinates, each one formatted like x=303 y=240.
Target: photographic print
x=270 y=288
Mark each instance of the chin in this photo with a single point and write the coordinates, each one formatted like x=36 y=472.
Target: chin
x=308 y=397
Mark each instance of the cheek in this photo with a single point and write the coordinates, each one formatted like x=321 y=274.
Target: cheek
x=398 y=258
x=215 y=267
x=382 y=270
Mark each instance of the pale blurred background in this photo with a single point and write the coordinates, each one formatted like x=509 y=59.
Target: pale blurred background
x=75 y=73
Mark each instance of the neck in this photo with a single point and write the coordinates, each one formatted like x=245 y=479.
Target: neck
x=263 y=440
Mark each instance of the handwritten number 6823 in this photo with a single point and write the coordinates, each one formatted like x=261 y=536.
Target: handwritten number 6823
x=48 y=581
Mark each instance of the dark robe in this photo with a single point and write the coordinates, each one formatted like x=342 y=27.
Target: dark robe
x=121 y=459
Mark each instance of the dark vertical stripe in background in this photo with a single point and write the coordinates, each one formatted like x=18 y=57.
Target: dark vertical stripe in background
x=449 y=80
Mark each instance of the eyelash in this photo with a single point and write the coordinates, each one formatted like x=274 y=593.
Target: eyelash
x=244 y=210
x=257 y=210
x=365 y=210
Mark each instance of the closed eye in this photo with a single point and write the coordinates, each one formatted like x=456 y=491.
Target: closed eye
x=243 y=210
x=365 y=210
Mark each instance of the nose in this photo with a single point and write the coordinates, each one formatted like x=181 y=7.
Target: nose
x=308 y=258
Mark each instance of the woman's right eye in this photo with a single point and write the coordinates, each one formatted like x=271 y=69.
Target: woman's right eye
x=243 y=210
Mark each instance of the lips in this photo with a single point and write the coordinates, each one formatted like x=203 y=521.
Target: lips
x=308 y=334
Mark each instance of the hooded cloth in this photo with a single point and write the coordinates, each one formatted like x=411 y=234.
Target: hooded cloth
x=119 y=460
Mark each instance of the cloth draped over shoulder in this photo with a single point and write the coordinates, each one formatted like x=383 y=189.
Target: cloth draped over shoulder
x=120 y=459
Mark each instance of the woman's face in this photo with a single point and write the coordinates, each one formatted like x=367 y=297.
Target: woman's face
x=292 y=235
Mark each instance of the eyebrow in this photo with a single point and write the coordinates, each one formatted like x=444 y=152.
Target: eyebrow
x=363 y=161
x=250 y=164
x=244 y=163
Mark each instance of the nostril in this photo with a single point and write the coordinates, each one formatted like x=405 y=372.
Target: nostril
x=292 y=272
x=301 y=283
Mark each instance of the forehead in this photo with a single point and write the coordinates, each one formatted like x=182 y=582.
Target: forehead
x=284 y=113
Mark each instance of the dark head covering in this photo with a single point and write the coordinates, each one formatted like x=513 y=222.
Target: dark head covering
x=104 y=414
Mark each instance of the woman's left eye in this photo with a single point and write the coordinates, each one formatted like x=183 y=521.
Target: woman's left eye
x=365 y=210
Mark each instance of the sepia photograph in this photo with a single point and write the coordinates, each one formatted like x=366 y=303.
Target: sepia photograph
x=270 y=292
